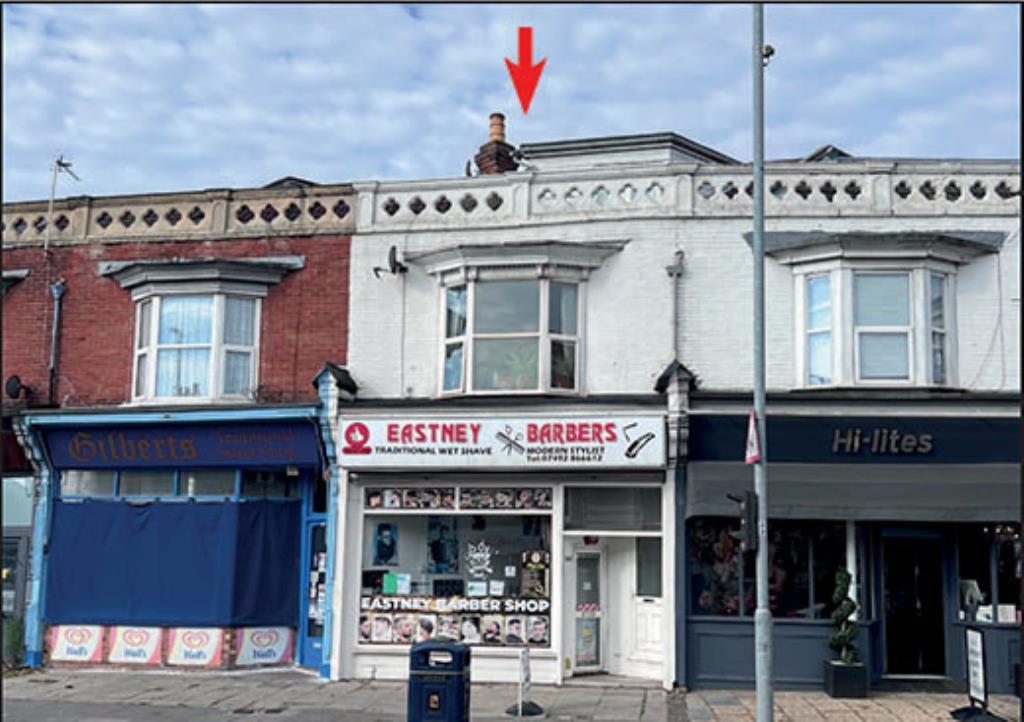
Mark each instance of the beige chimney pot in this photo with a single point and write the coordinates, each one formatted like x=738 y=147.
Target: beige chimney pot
x=497 y=129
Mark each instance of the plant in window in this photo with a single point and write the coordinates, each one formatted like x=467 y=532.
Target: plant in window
x=563 y=370
x=520 y=369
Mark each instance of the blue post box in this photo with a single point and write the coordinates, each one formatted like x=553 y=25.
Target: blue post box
x=439 y=682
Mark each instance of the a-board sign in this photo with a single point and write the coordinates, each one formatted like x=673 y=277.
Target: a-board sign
x=977 y=685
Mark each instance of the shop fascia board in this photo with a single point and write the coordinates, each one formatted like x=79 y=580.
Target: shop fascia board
x=154 y=416
x=874 y=403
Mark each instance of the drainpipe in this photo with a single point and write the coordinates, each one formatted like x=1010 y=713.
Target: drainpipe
x=58 y=290
x=675 y=271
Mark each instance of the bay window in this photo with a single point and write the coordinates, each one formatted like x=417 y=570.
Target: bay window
x=819 y=330
x=873 y=324
x=881 y=303
x=196 y=346
x=511 y=335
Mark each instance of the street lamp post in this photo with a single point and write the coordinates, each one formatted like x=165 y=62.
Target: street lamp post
x=762 y=614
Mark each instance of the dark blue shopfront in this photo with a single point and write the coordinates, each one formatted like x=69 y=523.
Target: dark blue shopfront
x=924 y=509
x=188 y=523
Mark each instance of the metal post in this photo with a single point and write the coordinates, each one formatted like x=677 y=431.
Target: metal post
x=49 y=207
x=762 y=615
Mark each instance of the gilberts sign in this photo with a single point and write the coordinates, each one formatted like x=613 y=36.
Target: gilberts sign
x=535 y=442
x=184 y=445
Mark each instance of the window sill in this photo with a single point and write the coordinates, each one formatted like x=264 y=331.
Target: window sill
x=193 y=401
x=509 y=392
x=987 y=625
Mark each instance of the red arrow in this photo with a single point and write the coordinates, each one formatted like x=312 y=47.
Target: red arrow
x=525 y=75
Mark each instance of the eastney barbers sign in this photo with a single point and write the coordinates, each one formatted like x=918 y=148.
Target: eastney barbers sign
x=530 y=442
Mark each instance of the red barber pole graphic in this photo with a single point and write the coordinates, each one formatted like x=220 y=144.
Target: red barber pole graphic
x=357 y=436
x=753 y=441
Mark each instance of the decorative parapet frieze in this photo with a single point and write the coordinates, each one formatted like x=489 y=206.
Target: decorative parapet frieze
x=836 y=190
x=827 y=189
x=203 y=215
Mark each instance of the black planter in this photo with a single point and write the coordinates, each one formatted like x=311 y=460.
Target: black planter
x=846 y=680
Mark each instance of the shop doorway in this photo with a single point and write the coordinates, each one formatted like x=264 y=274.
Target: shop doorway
x=914 y=628
x=589 y=613
x=312 y=631
x=314 y=599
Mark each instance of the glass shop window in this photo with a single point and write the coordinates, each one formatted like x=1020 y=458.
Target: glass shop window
x=11 y=574
x=79 y=482
x=474 y=578
x=613 y=508
x=829 y=556
x=269 y=484
x=974 y=560
x=1008 y=572
x=146 y=483
x=989 y=563
x=802 y=561
x=207 y=483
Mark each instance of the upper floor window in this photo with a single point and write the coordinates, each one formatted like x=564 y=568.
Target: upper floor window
x=196 y=346
x=511 y=335
x=197 y=324
x=882 y=326
x=512 y=313
x=870 y=325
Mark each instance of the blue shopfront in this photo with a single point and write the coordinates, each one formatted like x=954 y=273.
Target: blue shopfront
x=191 y=525
x=924 y=510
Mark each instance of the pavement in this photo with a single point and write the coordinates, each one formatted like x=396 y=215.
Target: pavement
x=117 y=695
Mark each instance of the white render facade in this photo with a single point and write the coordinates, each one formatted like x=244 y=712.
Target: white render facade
x=649 y=231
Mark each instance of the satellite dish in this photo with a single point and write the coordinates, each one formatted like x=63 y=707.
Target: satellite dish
x=13 y=386
x=394 y=265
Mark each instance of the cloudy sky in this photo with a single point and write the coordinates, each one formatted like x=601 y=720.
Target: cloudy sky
x=146 y=98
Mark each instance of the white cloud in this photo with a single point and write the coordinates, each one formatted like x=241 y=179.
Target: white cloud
x=164 y=97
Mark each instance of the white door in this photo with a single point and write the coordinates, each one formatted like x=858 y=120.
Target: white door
x=647 y=600
x=588 y=622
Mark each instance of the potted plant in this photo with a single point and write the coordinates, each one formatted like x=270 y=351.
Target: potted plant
x=846 y=676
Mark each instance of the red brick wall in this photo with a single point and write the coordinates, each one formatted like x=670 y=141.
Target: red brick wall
x=304 y=322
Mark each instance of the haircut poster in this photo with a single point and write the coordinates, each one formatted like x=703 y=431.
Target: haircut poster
x=588 y=639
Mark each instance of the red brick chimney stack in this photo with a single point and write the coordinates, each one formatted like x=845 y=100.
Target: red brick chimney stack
x=495 y=156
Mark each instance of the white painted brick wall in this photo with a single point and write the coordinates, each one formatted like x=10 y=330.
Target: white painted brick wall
x=629 y=299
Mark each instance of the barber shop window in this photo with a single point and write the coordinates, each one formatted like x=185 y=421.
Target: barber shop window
x=196 y=347
x=514 y=335
x=803 y=558
x=989 y=573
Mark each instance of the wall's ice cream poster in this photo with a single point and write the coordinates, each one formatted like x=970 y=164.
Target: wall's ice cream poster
x=76 y=643
x=195 y=647
x=135 y=645
x=263 y=645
